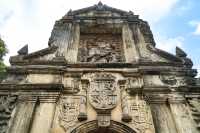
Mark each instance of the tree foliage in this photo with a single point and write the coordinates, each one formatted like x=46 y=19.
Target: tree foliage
x=3 y=51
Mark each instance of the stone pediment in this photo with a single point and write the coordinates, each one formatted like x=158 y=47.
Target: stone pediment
x=98 y=10
x=100 y=35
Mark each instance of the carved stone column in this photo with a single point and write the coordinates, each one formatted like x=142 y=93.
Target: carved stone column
x=125 y=110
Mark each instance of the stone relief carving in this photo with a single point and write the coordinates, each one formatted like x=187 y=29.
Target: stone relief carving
x=102 y=92
x=83 y=101
x=174 y=80
x=104 y=120
x=7 y=104
x=68 y=111
x=124 y=102
x=141 y=114
x=100 y=48
x=169 y=80
x=103 y=96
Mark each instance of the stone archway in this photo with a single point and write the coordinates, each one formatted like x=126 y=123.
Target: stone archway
x=92 y=127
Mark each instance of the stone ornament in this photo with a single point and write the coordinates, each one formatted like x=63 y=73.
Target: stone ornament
x=103 y=96
x=100 y=48
x=102 y=91
x=169 y=80
x=103 y=120
x=72 y=84
x=133 y=85
x=140 y=113
x=68 y=111
x=124 y=101
x=7 y=104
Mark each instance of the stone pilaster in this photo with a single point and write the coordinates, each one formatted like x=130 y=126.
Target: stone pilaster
x=162 y=116
x=130 y=51
x=72 y=49
x=124 y=101
x=23 y=117
x=43 y=118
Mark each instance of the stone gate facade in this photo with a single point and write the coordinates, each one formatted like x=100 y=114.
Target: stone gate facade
x=100 y=74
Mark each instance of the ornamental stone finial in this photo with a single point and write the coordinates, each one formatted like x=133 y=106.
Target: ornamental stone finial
x=180 y=52
x=23 y=50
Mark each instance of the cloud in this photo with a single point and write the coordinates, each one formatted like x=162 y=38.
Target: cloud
x=31 y=22
x=195 y=24
x=169 y=43
x=183 y=7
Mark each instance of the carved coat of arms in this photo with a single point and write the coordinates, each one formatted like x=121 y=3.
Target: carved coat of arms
x=102 y=92
x=69 y=109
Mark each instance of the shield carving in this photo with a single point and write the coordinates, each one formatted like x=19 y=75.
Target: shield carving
x=68 y=111
x=102 y=92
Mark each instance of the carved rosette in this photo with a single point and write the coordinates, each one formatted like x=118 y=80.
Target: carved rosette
x=102 y=92
x=7 y=104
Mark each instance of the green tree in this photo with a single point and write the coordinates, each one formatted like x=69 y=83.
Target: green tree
x=3 y=51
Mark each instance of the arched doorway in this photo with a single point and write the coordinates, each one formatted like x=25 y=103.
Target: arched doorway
x=92 y=127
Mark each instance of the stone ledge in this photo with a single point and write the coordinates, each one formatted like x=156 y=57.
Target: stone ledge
x=13 y=87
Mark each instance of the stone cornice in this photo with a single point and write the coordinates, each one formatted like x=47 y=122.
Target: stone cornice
x=24 y=59
x=30 y=87
x=124 y=68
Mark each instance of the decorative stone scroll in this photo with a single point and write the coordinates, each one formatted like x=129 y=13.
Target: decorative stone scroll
x=7 y=104
x=141 y=114
x=69 y=111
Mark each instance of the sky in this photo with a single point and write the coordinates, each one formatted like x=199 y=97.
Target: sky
x=173 y=22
